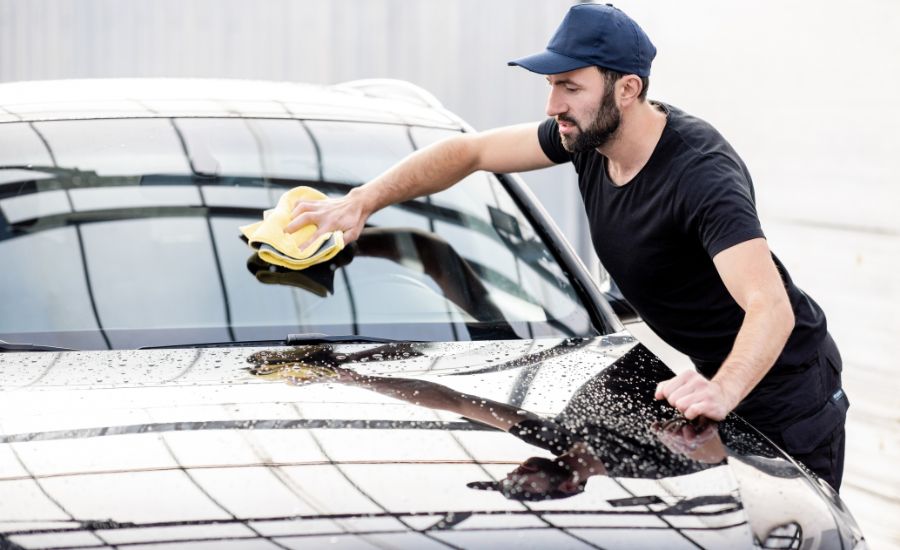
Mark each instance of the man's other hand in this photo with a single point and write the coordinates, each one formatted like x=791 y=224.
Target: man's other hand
x=693 y=396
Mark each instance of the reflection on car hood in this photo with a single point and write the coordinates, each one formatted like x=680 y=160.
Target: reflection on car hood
x=187 y=446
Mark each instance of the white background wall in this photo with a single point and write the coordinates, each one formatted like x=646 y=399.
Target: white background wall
x=804 y=90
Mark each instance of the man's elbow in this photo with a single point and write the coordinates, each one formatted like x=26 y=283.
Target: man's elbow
x=783 y=314
x=777 y=308
x=463 y=153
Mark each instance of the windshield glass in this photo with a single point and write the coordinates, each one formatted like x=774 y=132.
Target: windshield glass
x=124 y=234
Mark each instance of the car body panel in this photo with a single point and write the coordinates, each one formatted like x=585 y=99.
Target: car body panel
x=186 y=445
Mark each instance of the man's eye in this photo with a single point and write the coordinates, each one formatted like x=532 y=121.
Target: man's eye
x=571 y=89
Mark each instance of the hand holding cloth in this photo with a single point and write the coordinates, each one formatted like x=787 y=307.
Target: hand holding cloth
x=276 y=247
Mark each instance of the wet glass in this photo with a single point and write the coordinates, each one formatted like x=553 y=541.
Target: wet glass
x=21 y=145
x=115 y=147
x=356 y=153
x=250 y=147
x=149 y=211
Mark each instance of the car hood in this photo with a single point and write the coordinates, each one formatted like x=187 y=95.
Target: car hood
x=188 y=447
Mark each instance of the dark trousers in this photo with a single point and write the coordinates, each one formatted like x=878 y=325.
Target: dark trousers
x=802 y=409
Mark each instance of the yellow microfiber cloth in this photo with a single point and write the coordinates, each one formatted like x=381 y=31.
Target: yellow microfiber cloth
x=276 y=247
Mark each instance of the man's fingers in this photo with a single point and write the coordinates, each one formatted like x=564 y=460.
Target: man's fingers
x=705 y=433
x=304 y=206
x=660 y=390
x=351 y=234
x=688 y=435
x=302 y=220
x=318 y=233
x=681 y=393
x=668 y=387
x=695 y=410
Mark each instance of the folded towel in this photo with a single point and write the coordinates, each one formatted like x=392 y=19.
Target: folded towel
x=276 y=247
x=318 y=279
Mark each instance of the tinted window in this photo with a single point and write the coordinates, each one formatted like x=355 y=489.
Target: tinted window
x=115 y=147
x=130 y=238
x=250 y=147
x=356 y=153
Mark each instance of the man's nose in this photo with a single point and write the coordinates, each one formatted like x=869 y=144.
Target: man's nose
x=555 y=105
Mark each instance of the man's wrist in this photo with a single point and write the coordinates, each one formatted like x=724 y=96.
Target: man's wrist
x=366 y=199
x=732 y=392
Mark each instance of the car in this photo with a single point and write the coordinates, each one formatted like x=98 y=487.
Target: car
x=162 y=385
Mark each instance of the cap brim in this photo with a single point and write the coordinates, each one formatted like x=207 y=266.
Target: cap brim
x=549 y=62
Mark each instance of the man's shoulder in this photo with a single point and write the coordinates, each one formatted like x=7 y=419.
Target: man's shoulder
x=697 y=150
x=694 y=136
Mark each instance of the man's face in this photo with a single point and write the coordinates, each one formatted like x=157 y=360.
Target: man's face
x=584 y=108
x=538 y=476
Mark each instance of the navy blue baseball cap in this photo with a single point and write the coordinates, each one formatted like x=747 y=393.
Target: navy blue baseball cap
x=594 y=34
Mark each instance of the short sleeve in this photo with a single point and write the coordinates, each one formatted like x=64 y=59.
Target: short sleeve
x=543 y=433
x=716 y=204
x=551 y=143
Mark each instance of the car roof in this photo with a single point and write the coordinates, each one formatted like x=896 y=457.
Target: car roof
x=373 y=100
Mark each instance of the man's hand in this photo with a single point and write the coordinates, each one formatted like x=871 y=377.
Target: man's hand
x=345 y=214
x=693 y=395
x=698 y=440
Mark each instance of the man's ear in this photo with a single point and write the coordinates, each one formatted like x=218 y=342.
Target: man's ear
x=629 y=89
x=570 y=486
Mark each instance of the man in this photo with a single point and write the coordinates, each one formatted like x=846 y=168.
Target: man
x=673 y=220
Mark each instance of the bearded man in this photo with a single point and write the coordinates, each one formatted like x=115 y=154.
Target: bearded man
x=673 y=219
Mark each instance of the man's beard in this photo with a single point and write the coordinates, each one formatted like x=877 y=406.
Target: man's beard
x=601 y=130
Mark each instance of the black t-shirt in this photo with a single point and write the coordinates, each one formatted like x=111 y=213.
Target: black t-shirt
x=657 y=235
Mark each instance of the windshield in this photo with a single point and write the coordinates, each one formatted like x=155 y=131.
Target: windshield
x=124 y=234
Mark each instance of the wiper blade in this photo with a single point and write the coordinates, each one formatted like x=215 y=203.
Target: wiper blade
x=55 y=170
x=318 y=338
x=15 y=346
x=291 y=340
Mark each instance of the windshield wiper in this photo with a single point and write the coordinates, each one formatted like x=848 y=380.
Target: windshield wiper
x=291 y=340
x=47 y=169
x=14 y=346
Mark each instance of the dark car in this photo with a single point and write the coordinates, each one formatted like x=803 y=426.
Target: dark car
x=453 y=379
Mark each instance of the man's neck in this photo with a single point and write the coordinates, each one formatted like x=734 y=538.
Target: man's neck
x=630 y=150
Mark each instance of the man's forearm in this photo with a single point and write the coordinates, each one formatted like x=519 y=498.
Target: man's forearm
x=758 y=344
x=426 y=171
x=752 y=279
x=768 y=322
x=429 y=170
x=436 y=396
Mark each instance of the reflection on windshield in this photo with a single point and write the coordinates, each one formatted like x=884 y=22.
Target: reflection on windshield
x=427 y=254
x=131 y=240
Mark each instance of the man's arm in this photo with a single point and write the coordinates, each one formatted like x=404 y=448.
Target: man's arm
x=436 y=396
x=753 y=281
x=428 y=170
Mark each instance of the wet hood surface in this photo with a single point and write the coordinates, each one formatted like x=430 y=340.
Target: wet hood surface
x=189 y=447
